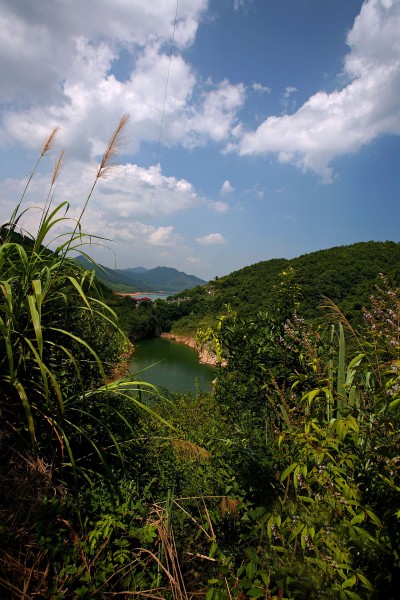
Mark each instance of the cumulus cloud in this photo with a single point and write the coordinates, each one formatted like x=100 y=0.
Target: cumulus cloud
x=135 y=191
x=82 y=89
x=31 y=32
x=226 y=188
x=212 y=239
x=332 y=124
x=214 y=117
x=164 y=236
x=130 y=190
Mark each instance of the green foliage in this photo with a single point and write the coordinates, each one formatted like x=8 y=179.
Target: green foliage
x=346 y=274
x=332 y=524
x=98 y=556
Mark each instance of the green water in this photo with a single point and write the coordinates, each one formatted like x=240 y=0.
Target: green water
x=177 y=366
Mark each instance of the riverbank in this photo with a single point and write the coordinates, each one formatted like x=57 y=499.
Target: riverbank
x=206 y=355
x=159 y=295
x=121 y=369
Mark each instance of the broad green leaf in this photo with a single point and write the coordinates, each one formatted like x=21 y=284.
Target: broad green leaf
x=27 y=407
x=350 y=582
x=36 y=323
x=364 y=581
x=79 y=290
x=287 y=472
x=357 y=519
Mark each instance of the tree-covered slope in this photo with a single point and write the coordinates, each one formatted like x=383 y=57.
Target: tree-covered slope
x=347 y=275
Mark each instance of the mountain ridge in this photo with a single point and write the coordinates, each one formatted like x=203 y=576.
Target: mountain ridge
x=139 y=279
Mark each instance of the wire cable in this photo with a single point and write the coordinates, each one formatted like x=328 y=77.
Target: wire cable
x=160 y=133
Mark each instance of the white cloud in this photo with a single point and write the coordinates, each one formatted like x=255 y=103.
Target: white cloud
x=258 y=87
x=226 y=188
x=31 y=32
x=219 y=206
x=330 y=125
x=164 y=236
x=212 y=239
x=81 y=89
x=195 y=260
x=213 y=119
x=286 y=102
x=126 y=208
x=135 y=191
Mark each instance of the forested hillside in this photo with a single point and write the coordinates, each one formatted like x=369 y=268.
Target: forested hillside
x=346 y=275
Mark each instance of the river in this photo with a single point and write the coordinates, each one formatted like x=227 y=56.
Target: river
x=171 y=364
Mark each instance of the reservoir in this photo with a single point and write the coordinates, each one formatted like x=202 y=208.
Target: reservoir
x=167 y=363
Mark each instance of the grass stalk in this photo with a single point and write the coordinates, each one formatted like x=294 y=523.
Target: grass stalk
x=48 y=144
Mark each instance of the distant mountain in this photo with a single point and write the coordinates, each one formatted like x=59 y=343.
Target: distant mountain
x=137 y=270
x=139 y=279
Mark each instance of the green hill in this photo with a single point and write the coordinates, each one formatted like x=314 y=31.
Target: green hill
x=346 y=275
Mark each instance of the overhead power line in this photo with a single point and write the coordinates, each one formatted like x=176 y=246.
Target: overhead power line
x=161 y=131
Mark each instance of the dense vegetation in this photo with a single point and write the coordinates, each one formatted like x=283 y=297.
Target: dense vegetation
x=282 y=483
x=345 y=275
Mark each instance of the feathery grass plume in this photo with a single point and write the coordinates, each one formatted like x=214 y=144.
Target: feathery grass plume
x=186 y=450
x=57 y=168
x=337 y=314
x=229 y=507
x=47 y=204
x=47 y=145
x=115 y=143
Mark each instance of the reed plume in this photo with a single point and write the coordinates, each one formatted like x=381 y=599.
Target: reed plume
x=47 y=146
x=57 y=168
x=56 y=172
x=186 y=450
x=115 y=143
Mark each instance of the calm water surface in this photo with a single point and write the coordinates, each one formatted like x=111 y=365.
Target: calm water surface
x=171 y=364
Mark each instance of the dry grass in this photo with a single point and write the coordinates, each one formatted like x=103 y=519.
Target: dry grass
x=185 y=450
x=24 y=482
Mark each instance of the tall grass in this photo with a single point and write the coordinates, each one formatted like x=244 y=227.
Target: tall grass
x=58 y=340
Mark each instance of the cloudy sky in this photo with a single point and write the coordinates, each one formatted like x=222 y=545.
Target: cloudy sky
x=258 y=128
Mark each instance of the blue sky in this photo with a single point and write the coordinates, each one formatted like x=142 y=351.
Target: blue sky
x=279 y=128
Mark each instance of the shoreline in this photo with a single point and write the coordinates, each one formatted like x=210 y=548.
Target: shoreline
x=206 y=355
x=158 y=292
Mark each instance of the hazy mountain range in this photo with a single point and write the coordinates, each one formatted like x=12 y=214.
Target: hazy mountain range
x=139 y=279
